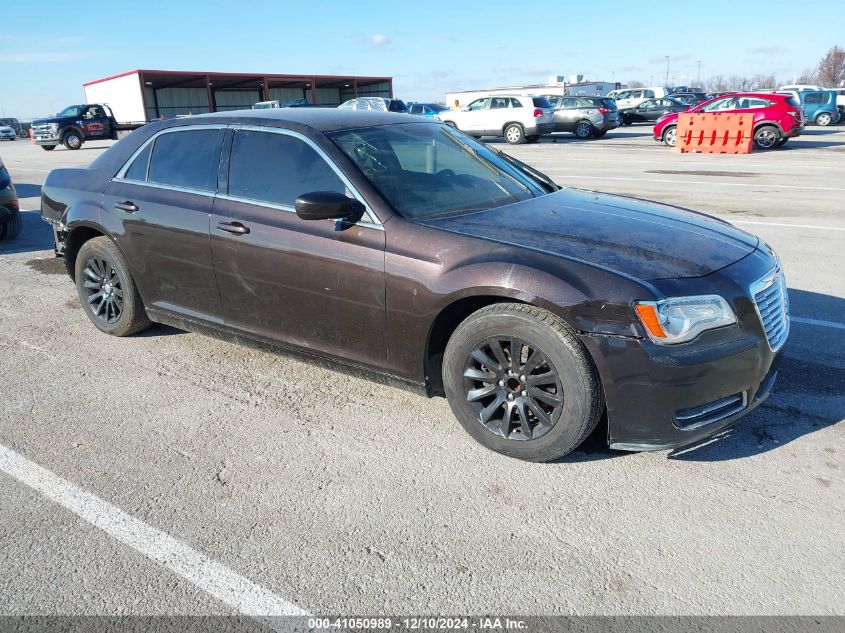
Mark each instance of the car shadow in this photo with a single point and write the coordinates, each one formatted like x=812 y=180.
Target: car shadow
x=36 y=235
x=27 y=190
x=809 y=394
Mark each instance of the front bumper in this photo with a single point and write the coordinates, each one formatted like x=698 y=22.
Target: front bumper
x=8 y=136
x=666 y=396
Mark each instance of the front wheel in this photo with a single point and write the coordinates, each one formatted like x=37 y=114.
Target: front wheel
x=824 y=119
x=106 y=289
x=520 y=383
x=783 y=141
x=670 y=136
x=12 y=228
x=48 y=148
x=767 y=137
x=514 y=134
x=72 y=140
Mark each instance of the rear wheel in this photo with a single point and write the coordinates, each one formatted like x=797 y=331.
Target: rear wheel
x=584 y=129
x=767 y=137
x=670 y=136
x=521 y=383
x=106 y=289
x=824 y=119
x=12 y=228
x=514 y=134
x=48 y=148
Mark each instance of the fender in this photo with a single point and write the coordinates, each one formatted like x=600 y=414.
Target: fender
x=72 y=128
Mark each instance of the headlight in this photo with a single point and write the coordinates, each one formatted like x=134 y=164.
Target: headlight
x=681 y=319
x=54 y=128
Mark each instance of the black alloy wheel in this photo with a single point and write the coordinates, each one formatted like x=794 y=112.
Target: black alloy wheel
x=513 y=388
x=103 y=290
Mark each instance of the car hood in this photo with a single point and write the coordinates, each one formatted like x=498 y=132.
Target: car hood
x=641 y=239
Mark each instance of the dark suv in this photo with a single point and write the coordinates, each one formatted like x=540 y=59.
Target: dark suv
x=405 y=248
x=585 y=116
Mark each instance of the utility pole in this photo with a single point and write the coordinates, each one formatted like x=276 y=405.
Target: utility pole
x=667 y=70
x=698 y=83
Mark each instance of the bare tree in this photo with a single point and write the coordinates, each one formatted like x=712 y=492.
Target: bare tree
x=717 y=83
x=764 y=82
x=809 y=76
x=635 y=84
x=832 y=67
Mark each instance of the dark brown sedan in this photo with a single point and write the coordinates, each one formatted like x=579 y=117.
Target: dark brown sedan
x=406 y=249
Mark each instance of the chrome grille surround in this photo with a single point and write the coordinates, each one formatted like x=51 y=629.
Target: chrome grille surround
x=772 y=303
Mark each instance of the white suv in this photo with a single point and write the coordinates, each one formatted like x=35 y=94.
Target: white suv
x=517 y=118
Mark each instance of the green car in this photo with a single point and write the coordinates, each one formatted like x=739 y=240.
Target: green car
x=10 y=216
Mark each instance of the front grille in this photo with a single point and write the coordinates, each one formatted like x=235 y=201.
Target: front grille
x=711 y=412
x=772 y=302
x=45 y=128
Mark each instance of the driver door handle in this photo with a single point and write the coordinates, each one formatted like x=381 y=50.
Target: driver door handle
x=128 y=206
x=233 y=227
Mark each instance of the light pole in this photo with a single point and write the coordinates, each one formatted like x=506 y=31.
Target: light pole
x=667 y=70
x=698 y=83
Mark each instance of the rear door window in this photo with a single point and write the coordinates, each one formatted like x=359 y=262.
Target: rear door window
x=570 y=102
x=277 y=168
x=515 y=103
x=186 y=159
x=814 y=97
x=138 y=169
x=499 y=102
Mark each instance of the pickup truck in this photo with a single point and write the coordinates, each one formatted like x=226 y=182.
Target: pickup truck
x=76 y=124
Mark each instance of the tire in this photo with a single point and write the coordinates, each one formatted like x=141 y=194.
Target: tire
x=72 y=140
x=514 y=134
x=766 y=137
x=100 y=266
x=824 y=119
x=783 y=141
x=566 y=389
x=11 y=229
x=599 y=134
x=48 y=148
x=532 y=139
x=584 y=129
x=669 y=135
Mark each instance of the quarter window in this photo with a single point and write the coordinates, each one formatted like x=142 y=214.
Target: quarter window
x=277 y=168
x=186 y=159
x=138 y=169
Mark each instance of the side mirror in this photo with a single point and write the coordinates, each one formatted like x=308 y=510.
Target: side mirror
x=465 y=109
x=326 y=205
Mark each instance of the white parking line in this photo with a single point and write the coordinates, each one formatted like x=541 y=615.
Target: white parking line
x=701 y=182
x=211 y=577
x=833 y=324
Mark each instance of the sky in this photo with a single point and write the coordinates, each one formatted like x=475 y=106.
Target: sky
x=429 y=47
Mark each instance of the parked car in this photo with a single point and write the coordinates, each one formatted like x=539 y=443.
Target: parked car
x=427 y=110
x=518 y=118
x=10 y=216
x=690 y=98
x=584 y=116
x=632 y=97
x=777 y=118
x=820 y=106
x=404 y=248
x=14 y=124
x=379 y=104
x=7 y=133
x=651 y=110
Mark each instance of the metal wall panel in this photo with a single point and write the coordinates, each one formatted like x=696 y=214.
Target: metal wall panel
x=236 y=99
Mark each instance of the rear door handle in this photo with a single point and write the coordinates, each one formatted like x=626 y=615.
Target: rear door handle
x=233 y=227
x=129 y=207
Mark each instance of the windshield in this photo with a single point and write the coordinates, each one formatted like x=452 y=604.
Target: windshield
x=71 y=111
x=428 y=170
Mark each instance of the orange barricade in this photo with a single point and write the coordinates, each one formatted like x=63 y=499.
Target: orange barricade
x=713 y=133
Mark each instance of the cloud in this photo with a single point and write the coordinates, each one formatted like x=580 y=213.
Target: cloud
x=380 y=41
x=768 y=50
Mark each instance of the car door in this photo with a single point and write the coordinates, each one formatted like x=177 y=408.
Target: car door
x=567 y=115
x=95 y=123
x=656 y=108
x=498 y=114
x=159 y=205
x=640 y=112
x=312 y=284
x=473 y=119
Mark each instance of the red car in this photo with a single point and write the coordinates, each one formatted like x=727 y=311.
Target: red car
x=777 y=117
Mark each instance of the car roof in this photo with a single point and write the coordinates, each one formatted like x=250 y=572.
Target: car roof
x=319 y=119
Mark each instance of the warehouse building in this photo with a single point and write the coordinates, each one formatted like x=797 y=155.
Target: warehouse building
x=558 y=86
x=144 y=95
